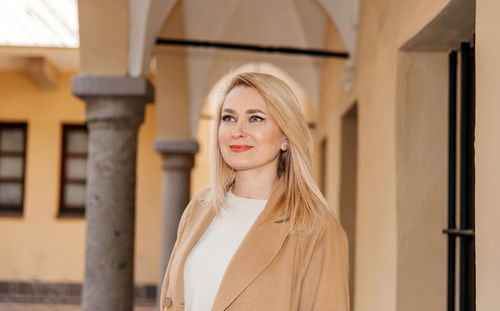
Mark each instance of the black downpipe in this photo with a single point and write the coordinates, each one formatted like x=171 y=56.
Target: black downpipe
x=452 y=176
x=471 y=212
x=467 y=260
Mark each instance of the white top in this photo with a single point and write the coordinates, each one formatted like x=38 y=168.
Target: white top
x=209 y=258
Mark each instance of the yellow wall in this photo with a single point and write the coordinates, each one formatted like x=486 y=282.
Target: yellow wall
x=149 y=174
x=40 y=247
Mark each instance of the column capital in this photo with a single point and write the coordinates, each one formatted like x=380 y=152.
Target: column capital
x=181 y=147
x=113 y=101
x=177 y=154
x=88 y=87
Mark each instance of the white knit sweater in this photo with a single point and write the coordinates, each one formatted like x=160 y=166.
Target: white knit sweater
x=209 y=258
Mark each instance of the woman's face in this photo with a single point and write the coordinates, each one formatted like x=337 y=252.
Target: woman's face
x=249 y=139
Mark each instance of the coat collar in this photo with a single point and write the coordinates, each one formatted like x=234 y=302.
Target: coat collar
x=197 y=224
x=257 y=250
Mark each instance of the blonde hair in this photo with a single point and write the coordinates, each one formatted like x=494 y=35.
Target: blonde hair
x=296 y=196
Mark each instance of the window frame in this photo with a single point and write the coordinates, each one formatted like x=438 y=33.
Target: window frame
x=15 y=209
x=65 y=211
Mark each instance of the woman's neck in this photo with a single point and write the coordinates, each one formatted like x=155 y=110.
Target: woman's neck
x=254 y=185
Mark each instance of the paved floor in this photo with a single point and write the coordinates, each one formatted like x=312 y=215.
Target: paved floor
x=8 y=306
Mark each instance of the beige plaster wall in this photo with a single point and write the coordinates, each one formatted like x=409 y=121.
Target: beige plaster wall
x=172 y=91
x=384 y=26
x=39 y=246
x=172 y=95
x=200 y=175
x=348 y=190
x=375 y=274
x=103 y=37
x=422 y=166
x=487 y=155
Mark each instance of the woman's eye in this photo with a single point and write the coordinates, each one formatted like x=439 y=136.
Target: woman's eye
x=227 y=118
x=256 y=119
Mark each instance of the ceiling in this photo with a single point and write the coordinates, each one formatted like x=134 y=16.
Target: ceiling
x=293 y=23
x=39 y=23
x=39 y=28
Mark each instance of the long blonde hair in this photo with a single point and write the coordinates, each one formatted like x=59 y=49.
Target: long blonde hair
x=296 y=197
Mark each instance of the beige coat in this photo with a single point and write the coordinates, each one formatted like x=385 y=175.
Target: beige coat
x=271 y=270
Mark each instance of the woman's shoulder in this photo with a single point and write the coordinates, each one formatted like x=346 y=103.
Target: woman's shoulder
x=193 y=208
x=330 y=225
x=327 y=232
x=201 y=196
x=326 y=224
x=198 y=201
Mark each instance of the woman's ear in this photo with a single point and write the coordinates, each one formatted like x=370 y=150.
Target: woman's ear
x=284 y=145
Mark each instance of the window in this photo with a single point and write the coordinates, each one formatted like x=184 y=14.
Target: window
x=73 y=170
x=12 y=167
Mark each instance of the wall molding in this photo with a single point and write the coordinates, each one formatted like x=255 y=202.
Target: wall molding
x=62 y=293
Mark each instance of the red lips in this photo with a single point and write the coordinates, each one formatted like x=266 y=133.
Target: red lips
x=240 y=148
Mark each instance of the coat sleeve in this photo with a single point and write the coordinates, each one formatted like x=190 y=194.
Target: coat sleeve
x=180 y=232
x=325 y=283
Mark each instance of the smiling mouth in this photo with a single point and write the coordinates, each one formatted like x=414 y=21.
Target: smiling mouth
x=240 y=148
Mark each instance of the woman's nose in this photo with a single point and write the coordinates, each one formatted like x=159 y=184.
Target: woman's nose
x=238 y=130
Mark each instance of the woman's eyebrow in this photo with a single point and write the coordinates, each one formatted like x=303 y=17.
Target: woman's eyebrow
x=228 y=110
x=249 y=111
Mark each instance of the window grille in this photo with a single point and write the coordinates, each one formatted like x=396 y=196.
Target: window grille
x=12 y=167
x=73 y=170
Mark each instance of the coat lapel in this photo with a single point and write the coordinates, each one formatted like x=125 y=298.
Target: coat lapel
x=197 y=224
x=259 y=247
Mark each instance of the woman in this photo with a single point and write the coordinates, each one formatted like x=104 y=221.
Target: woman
x=263 y=237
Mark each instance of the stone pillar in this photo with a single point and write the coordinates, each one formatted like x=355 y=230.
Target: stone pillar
x=178 y=160
x=114 y=111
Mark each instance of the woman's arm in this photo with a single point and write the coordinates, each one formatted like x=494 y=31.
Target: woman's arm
x=326 y=281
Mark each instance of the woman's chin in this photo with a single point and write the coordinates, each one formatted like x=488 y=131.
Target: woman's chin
x=241 y=167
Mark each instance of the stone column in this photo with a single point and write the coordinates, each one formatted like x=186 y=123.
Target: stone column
x=178 y=160
x=114 y=111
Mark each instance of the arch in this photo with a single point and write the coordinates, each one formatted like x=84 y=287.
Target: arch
x=145 y=21
x=302 y=24
x=344 y=14
x=205 y=72
x=140 y=24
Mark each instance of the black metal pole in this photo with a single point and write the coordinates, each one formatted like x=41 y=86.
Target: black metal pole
x=252 y=47
x=471 y=172
x=452 y=147
x=466 y=178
